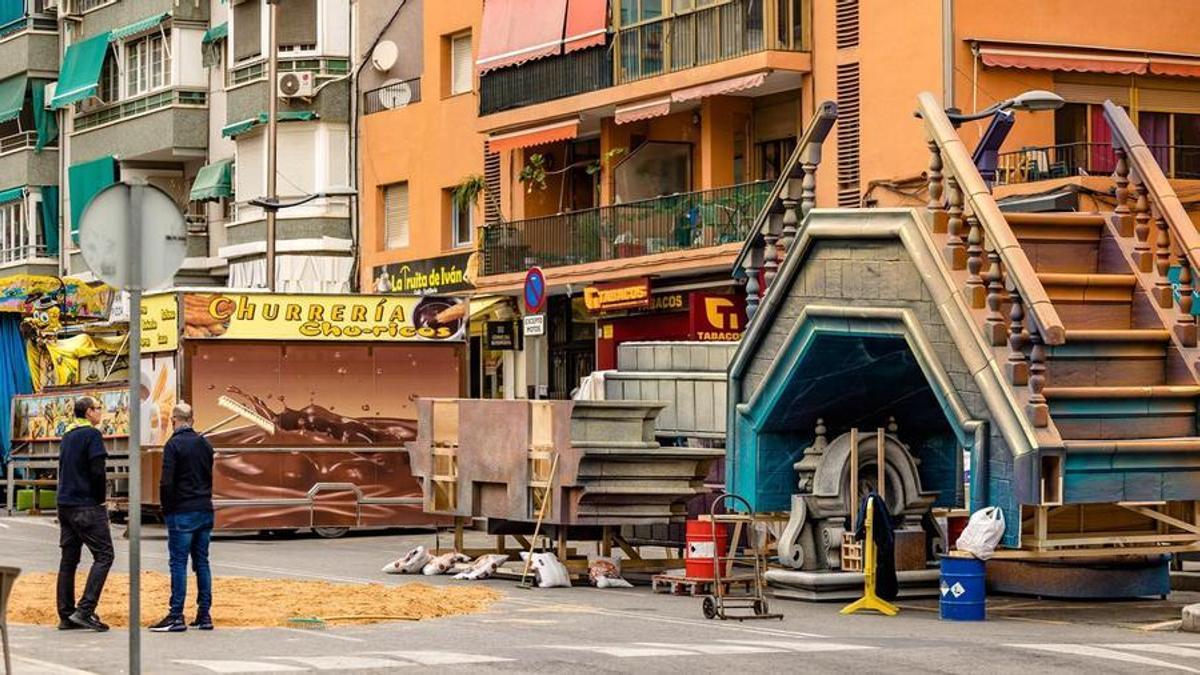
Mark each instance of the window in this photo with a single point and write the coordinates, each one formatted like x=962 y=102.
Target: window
x=773 y=157
x=1187 y=146
x=461 y=69
x=17 y=242
x=147 y=64
x=462 y=223
x=297 y=29
x=109 y=88
x=247 y=30
x=395 y=216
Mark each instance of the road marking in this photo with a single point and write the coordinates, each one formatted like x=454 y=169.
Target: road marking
x=428 y=658
x=718 y=649
x=801 y=646
x=628 y=652
x=645 y=649
x=343 y=663
x=1103 y=653
x=320 y=633
x=39 y=666
x=526 y=622
x=1157 y=648
x=240 y=666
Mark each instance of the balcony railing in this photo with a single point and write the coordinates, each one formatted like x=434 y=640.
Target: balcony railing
x=1093 y=159
x=21 y=141
x=545 y=79
x=20 y=253
x=391 y=96
x=322 y=67
x=38 y=22
x=704 y=35
x=137 y=106
x=676 y=222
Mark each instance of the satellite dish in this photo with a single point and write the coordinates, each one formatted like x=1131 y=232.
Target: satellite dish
x=383 y=57
x=395 y=94
x=106 y=242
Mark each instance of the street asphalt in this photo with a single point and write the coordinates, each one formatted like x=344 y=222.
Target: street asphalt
x=585 y=629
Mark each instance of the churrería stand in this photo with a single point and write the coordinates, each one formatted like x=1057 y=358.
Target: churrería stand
x=308 y=400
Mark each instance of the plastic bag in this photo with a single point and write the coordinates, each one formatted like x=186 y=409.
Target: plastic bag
x=982 y=533
x=483 y=567
x=411 y=563
x=548 y=572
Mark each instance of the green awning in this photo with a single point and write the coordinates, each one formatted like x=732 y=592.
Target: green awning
x=50 y=218
x=79 y=76
x=214 y=181
x=139 y=26
x=238 y=128
x=45 y=121
x=217 y=32
x=12 y=97
x=88 y=179
x=12 y=194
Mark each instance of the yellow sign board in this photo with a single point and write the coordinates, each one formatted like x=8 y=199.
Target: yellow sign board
x=370 y=318
x=160 y=323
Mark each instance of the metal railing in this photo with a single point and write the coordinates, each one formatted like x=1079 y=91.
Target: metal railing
x=391 y=96
x=684 y=221
x=21 y=253
x=123 y=109
x=323 y=67
x=1032 y=164
x=708 y=34
x=545 y=79
x=20 y=141
x=31 y=22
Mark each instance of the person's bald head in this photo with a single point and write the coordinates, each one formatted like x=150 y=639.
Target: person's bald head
x=181 y=415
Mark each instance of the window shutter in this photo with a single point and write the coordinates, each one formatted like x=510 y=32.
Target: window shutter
x=297 y=23
x=849 y=135
x=395 y=215
x=247 y=30
x=461 y=70
x=491 y=177
x=847 y=23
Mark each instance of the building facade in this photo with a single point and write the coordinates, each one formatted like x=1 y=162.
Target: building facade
x=175 y=95
x=626 y=146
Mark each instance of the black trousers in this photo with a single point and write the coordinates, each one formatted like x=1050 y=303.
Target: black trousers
x=81 y=526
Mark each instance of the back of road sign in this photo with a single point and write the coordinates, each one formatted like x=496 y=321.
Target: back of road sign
x=106 y=236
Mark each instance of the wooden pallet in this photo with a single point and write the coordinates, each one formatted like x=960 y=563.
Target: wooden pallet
x=682 y=585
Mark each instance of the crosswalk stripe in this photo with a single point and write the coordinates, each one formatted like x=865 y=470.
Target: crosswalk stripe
x=1103 y=653
x=1159 y=648
x=718 y=649
x=628 y=652
x=427 y=658
x=240 y=666
x=343 y=663
x=801 y=646
x=39 y=666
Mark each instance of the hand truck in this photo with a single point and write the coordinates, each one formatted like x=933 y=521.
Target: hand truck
x=752 y=563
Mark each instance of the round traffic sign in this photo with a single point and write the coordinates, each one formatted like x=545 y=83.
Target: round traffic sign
x=107 y=239
x=535 y=290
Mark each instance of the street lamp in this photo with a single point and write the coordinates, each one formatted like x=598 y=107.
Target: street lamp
x=1034 y=100
x=273 y=206
x=987 y=153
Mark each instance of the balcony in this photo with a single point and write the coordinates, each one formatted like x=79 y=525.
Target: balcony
x=545 y=79
x=392 y=96
x=29 y=46
x=676 y=222
x=20 y=165
x=704 y=35
x=163 y=125
x=1045 y=162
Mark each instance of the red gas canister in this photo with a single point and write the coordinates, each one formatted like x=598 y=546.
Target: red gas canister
x=698 y=556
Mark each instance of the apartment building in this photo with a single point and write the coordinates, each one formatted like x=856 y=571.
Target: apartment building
x=174 y=94
x=626 y=146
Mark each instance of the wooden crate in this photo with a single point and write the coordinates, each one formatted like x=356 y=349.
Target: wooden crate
x=852 y=553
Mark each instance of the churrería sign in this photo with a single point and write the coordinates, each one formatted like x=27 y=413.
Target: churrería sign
x=618 y=295
x=446 y=274
x=264 y=316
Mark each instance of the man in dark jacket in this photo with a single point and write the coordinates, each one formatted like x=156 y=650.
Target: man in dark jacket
x=186 y=495
x=82 y=517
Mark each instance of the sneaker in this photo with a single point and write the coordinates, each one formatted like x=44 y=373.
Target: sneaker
x=90 y=621
x=65 y=624
x=169 y=624
x=202 y=622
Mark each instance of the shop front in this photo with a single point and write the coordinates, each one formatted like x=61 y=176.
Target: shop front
x=643 y=309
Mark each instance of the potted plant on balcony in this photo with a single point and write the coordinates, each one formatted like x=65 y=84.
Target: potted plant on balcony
x=499 y=239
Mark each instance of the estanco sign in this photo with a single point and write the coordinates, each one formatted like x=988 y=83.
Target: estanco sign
x=618 y=295
x=263 y=316
x=717 y=317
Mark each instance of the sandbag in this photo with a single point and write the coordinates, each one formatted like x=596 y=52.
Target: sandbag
x=982 y=533
x=483 y=567
x=442 y=563
x=606 y=573
x=548 y=572
x=411 y=563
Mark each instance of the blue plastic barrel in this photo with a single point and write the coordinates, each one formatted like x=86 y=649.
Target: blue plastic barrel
x=963 y=590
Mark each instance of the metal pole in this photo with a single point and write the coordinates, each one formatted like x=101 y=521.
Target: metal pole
x=272 y=128
x=135 y=428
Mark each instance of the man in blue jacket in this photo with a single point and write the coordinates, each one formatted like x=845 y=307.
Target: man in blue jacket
x=186 y=495
x=82 y=517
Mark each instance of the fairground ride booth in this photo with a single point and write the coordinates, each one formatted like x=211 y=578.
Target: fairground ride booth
x=308 y=400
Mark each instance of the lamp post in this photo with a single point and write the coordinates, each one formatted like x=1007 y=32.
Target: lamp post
x=273 y=206
x=272 y=130
x=987 y=153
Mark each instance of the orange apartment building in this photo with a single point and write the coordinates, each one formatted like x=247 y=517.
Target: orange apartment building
x=625 y=146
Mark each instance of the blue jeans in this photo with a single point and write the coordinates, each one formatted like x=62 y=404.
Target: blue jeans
x=188 y=534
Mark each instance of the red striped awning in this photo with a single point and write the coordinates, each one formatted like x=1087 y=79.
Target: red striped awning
x=587 y=24
x=516 y=31
x=1175 y=67
x=526 y=138
x=643 y=110
x=729 y=86
x=1079 y=61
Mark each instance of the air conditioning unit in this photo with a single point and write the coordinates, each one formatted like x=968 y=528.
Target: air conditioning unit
x=48 y=95
x=295 y=84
